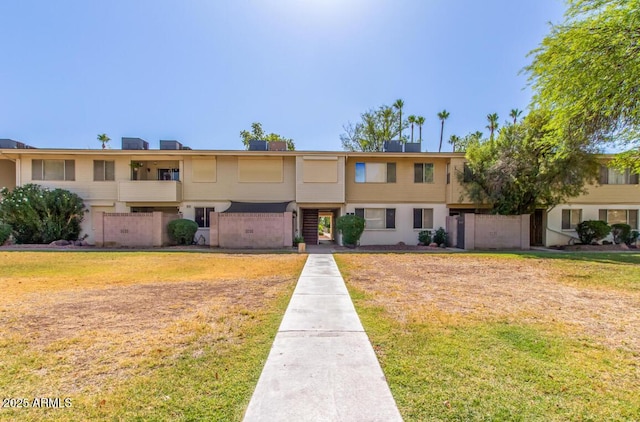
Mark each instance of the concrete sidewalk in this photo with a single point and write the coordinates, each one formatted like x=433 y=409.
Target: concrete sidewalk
x=321 y=366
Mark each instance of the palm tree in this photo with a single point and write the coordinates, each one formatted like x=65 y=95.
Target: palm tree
x=454 y=140
x=515 y=113
x=443 y=115
x=411 y=119
x=104 y=139
x=420 y=122
x=398 y=106
x=493 y=124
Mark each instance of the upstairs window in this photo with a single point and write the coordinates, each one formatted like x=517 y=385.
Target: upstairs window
x=375 y=172
x=611 y=176
x=53 y=170
x=104 y=170
x=423 y=173
x=168 y=174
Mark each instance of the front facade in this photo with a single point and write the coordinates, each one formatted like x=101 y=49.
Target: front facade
x=398 y=193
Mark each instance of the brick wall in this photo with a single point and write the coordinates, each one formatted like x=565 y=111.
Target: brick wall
x=251 y=230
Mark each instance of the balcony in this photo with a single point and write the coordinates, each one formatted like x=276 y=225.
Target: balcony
x=150 y=191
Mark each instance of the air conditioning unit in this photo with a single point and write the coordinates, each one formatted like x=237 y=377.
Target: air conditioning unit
x=412 y=147
x=134 y=144
x=170 y=145
x=256 y=145
x=392 y=146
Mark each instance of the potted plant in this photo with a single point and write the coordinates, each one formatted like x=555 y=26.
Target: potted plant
x=299 y=242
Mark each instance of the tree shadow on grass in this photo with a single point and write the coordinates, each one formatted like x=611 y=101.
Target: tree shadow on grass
x=623 y=258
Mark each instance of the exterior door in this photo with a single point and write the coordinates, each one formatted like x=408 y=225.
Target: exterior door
x=536 y=228
x=310 y=226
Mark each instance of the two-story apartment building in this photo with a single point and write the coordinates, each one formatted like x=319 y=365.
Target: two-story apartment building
x=398 y=193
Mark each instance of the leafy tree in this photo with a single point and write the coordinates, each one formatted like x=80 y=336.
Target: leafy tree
x=420 y=122
x=514 y=114
x=104 y=139
x=460 y=144
x=493 y=124
x=443 y=115
x=412 y=120
x=528 y=166
x=41 y=215
x=587 y=73
x=257 y=133
x=375 y=127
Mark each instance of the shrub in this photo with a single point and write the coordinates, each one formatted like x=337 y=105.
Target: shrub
x=351 y=227
x=424 y=237
x=182 y=231
x=590 y=231
x=5 y=233
x=41 y=215
x=621 y=233
x=440 y=237
x=297 y=240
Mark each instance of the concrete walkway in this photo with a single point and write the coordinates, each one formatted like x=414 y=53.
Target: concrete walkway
x=321 y=366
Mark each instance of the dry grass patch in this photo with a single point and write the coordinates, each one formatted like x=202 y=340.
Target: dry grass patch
x=503 y=337
x=88 y=325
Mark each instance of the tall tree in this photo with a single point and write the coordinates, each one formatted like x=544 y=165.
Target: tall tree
x=412 y=120
x=514 y=114
x=443 y=115
x=460 y=144
x=104 y=139
x=420 y=122
x=587 y=73
x=257 y=133
x=375 y=127
x=493 y=124
x=528 y=166
x=398 y=105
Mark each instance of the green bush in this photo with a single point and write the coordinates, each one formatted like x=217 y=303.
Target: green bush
x=182 y=231
x=440 y=237
x=621 y=233
x=5 y=233
x=424 y=237
x=351 y=226
x=41 y=215
x=590 y=231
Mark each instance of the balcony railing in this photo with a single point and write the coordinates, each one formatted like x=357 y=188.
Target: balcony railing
x=150 y=191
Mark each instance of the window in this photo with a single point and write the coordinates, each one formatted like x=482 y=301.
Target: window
x=168 y=174
x=571 y=218
x=611 y=176
x=467 y=174
x=53 y=170
x=423 y=173
x=448 y=173
x=103 y=170
x=629 y=217
x=423 y=218
x=375 y=172
x=202 y=216
x=378 y=218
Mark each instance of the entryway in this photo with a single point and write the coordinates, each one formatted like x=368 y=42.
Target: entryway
x=316 y=220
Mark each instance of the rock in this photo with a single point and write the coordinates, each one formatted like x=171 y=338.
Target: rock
x=60 y=242
x=433 y=245
x=401 y=244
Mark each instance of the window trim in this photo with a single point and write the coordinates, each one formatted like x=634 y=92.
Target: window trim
x=420 y=212
x=422 y=173
x=390 y=171
x=389 y=217
x=571 y=223
x=68 y=170
x=104 y=170
x=203 y=222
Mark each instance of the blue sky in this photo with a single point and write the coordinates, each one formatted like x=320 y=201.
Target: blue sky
x=200 y=71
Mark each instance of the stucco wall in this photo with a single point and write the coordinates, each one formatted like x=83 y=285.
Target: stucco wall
x=251 y=230
x=483 y=231
x=132 y=229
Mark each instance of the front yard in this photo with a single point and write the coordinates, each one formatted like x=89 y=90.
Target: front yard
x=147 y=336
x=504 y=336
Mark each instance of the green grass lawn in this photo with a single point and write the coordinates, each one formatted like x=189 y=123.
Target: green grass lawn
x=472 y=337
x=138 y=336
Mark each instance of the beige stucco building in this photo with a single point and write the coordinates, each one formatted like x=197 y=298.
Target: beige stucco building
x=398 y=193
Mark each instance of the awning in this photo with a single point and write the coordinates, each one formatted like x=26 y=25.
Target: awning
x=257 y=207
